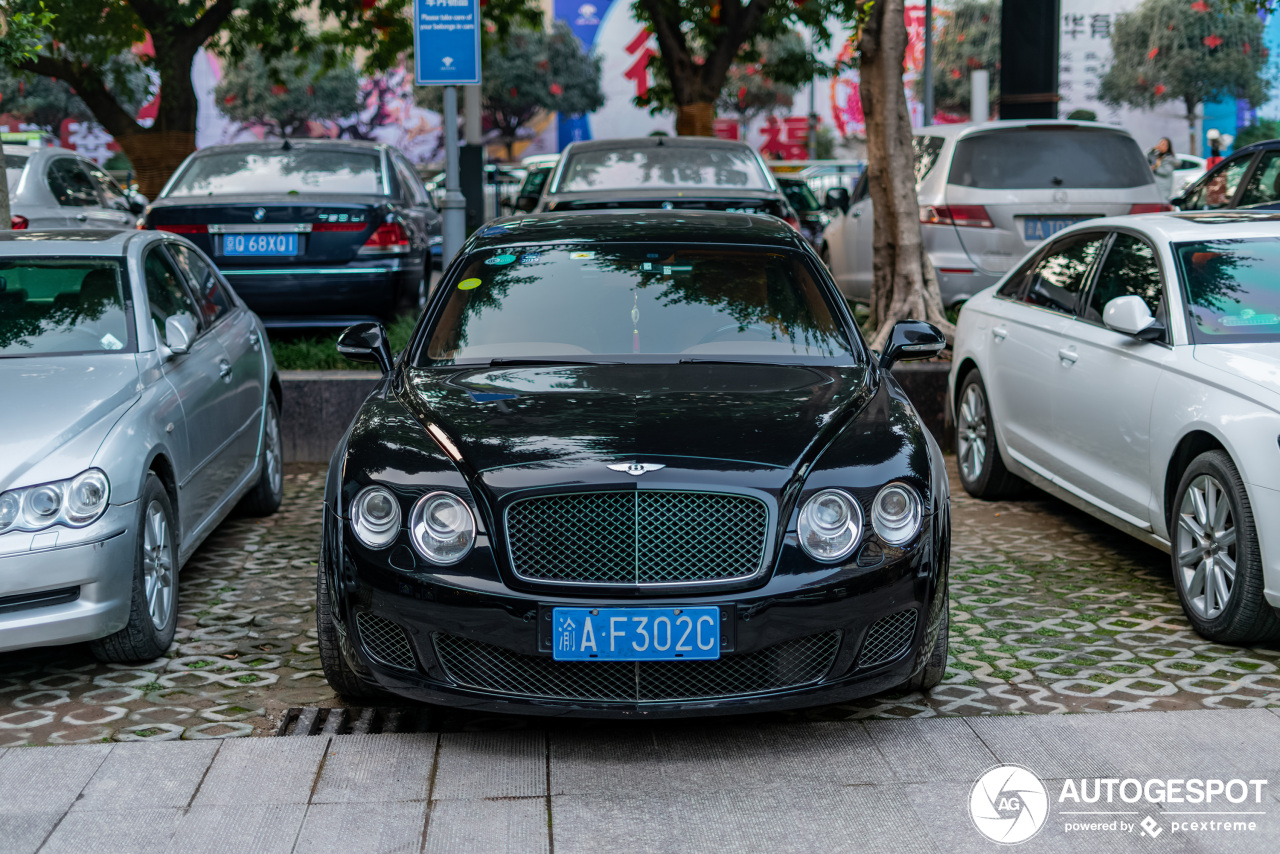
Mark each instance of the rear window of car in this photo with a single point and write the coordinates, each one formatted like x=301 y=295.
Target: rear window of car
x=51 y=306
x=300 y=170
x=626 y=302
x=661 y=167
x=13 y=166
x=1049 y=159
x=1231 y=290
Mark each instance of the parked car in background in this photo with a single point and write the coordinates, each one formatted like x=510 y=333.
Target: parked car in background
x=1249 y=178
x=989 y=192
x=813 y=218
x=530 y=192
x=52 y=187
x=1186 y=172
x=688 y=173
x=1131 y=367
x=312 y=232
x=143 y=405
x=635 y=463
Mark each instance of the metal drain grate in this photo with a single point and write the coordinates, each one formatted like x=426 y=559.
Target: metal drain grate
x=888 y=638
x=492 y=669
x=385 y=641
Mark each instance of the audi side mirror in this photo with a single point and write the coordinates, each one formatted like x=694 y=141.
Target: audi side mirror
x=1131 y=316
x=911 y=340
x=837 y=199
x=366 y=342
x=179 y=332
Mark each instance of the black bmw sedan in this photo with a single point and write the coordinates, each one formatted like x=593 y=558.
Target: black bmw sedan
x=632 y=464
x=312 y=232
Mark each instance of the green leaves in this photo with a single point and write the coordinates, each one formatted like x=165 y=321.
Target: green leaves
x=22 y=29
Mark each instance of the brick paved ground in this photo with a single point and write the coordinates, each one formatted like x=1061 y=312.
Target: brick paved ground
x=1052 y=612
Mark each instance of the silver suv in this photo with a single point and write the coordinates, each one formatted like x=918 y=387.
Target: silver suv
x=989 y=192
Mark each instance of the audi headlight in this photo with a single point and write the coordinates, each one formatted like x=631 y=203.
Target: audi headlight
x=896 y=513
x=75 y=502
x=375 y=517
x=830 y=525
x=442 y=528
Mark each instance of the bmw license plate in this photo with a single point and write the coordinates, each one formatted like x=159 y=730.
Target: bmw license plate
x=1039 y=227
x=635 y=634
x=260 y=244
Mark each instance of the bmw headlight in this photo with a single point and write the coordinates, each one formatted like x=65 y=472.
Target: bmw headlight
x=442 y=528
x=830 y=525
x=896 y=513
x=75 y=502
x=375 y=517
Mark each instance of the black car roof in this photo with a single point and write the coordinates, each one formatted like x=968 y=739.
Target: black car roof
x=637 y=226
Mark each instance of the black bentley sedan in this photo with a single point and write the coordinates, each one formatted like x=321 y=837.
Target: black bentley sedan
x=635 y=464
x=312 y=232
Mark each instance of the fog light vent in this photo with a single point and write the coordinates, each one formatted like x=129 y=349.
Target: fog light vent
x=385 y=641
x=888 y=638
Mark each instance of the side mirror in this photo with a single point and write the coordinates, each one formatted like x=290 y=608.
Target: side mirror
x=911 y=340
x=366 y=342
x=179 y=332
x=525 y=203
x=1130 y=315
x=837 y=199
x=1178 y=201
x=137 y=202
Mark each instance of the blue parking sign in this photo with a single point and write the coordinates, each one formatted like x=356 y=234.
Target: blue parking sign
x=446 y=42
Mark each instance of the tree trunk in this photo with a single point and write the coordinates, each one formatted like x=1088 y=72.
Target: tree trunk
x=1191 y=125
x=4 y=194
x=696 y=119
x=904 y=285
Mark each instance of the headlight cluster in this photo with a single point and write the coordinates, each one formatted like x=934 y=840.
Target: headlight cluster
x=441 y=526
x=75 y=502
x=831 y=523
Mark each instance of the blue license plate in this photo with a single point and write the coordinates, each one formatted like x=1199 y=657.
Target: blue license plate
x=635 y=634
x=259 y=244
x=1040 y=227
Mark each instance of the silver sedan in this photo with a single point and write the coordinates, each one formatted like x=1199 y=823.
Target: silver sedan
x=142 y=407
x=57 y=188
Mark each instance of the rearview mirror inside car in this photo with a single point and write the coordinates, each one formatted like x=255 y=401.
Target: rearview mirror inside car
x=837 y=199
x=911 y=340
x=1130 y=315
x=366 y=342
x=179 y=332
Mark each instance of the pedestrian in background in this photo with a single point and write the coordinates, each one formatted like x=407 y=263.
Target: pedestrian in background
x=1162 y=161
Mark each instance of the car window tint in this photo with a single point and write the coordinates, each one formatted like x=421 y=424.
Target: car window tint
x=800 y=196
x=1264 y=186
x=1231 y=290
x=926 y=149
x=165 y=293
x=1055 y=158
x=304 y=169
x=111 y=192
x=62 y=305
x=1218 y=191
x=1013 y=285
x=211 y=295
x=661 y=167
x=1058 y=278
x=1129 y=269
x=70 y=185
x=860 y=189
x=409 y=181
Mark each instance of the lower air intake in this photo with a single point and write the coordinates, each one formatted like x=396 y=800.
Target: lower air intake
x=385 y=641
x=888 y=638
x=499 y=671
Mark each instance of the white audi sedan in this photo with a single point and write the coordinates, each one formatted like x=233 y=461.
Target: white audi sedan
x=1131 y=367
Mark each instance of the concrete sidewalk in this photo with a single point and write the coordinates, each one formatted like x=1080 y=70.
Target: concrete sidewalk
x=882 y=786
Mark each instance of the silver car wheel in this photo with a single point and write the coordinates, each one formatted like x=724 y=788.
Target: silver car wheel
x=1206 y=544
x=971 y=437
x=157 y=565
x=271 y=452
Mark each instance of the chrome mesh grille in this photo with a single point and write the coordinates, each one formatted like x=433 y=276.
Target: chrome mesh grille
x=888 y=638
x=499 y=671
x=637 y=537
x=385 y=641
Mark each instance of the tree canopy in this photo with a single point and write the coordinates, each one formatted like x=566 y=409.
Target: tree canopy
x=749 y=91
x=969 y=39
x=287 y=92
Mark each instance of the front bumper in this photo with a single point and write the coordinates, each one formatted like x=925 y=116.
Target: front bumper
x=480 y=645
x=77 y=588
x=321 y=296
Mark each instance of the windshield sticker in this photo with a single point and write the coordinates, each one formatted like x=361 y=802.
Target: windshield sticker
x=582 y=256
x=111 y=342
x=530 y=257
x=1249 y=317
x=500 y=260
x=468 y=284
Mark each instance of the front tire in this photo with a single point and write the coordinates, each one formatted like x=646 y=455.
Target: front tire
x=1217 y=566
x=935 y=668
x=153 y=606
x=340 y=675
x=982 y=469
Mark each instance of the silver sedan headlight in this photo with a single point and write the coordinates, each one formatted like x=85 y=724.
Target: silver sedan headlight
x=896 y=513
x=442 y=528
x=830 y=525
x=75 y=502
x=375 y=517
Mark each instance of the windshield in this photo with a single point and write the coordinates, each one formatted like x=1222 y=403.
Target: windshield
x=13 y=164
x=301 y=170
x=661 y=167
x=60 y=306
x=800 y=196
x=1049 y=159
x=631 y=300
x=1231 y=290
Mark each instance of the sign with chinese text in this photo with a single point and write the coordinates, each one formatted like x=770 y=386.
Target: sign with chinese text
x=446 y=42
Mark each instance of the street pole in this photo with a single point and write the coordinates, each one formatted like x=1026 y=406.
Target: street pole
x=928 y=62
x=454 y=204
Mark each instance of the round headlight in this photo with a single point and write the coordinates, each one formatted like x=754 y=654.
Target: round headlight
x=442 y=528
x=86 y=498
x=896 y=513
x=375 y=517
x=830 y=525
x=9 y=506
x=43 y=504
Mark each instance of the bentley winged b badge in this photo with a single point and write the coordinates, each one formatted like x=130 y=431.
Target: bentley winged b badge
x=637 y=469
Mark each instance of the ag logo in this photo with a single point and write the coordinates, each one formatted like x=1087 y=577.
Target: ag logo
x=1008 y=804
